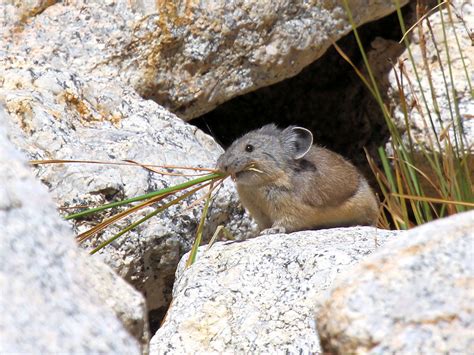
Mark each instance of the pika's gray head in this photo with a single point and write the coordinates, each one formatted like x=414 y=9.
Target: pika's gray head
x=265 y=154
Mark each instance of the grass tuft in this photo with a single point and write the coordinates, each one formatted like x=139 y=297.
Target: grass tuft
x=211 y=179
x=422 y=180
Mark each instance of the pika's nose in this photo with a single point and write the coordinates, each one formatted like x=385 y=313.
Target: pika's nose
x=221 y=165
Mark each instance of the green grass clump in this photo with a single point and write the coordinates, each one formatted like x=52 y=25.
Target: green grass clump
x=419 y=181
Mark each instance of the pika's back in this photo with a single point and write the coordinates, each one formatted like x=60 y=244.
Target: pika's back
x=328 y=178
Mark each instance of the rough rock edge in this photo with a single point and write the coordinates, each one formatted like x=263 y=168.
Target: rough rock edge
x=334 y=330
x=97 y=278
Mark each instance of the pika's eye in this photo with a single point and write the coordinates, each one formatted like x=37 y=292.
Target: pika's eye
x=249 y=148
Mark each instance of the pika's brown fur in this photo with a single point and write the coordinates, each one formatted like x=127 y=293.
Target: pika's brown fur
x=288 y=184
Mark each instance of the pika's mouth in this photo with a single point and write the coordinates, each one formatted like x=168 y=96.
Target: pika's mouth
x=245 y=172
x=238 y=174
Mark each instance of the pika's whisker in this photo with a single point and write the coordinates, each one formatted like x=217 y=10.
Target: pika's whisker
x=256 y=170
x=251 y=167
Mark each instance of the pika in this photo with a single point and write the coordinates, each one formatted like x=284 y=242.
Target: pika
x=288 y=184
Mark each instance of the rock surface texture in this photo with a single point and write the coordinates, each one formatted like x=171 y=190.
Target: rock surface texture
x=260 y=295
x=189 y=56
x=414 y=295
x=54 y=298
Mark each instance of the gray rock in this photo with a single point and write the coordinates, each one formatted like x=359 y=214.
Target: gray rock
x=260 y=295
x=414 y=295
x=188 y=56
x=50 y=299
x=117 y=295
x=56 y=114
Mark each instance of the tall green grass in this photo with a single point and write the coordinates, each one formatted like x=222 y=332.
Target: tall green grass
x=422 y=181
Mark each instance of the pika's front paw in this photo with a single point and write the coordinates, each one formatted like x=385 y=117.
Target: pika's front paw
x=273 y=230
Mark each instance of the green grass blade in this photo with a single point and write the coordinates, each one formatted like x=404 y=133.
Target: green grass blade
x=116 y=217
x=387 y=168
x=147 y=217
x=468 y=78
x=145 y=196
x=197 y=240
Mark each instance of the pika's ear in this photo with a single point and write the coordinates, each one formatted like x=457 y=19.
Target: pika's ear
x=297 y=141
